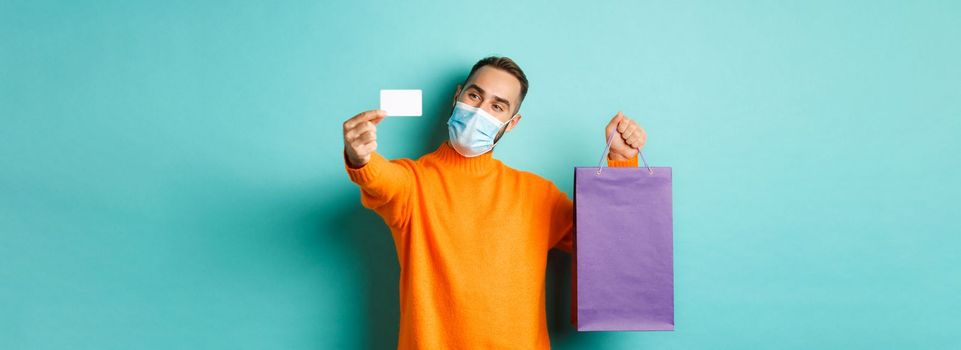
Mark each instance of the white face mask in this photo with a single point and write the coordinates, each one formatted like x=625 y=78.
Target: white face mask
x=473 y=130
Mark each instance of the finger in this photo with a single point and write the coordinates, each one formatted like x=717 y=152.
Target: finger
x=369 y=147
x=642 y=142
x=364 y=150
x=363 y=117
x=631 y=130
x=365 y=138
x=624 y=124
x=363 y=128
x=636 y=130
x=358 y=130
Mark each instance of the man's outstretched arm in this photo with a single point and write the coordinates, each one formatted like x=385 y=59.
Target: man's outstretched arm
x=385 y=185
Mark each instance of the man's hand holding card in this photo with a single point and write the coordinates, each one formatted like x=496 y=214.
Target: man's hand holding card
x=360 y=131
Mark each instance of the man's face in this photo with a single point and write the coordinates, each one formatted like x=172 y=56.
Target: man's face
x=493 y=90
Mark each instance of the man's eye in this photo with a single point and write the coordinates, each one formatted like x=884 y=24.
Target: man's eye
x=498 y=108
x=474 y=96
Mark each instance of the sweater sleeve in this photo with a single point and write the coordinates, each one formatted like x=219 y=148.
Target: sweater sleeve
x=385 y=187
x=562 y=220
x=562 y=212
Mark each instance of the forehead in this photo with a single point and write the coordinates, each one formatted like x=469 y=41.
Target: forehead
x=497 y=82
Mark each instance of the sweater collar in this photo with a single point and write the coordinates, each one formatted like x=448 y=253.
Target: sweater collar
x=447 y=155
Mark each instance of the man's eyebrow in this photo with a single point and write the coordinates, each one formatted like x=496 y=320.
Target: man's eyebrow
x=496 y=98
x=505 y=101
x=472 y=85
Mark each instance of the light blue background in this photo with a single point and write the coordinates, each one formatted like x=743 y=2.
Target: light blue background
x=171 y=173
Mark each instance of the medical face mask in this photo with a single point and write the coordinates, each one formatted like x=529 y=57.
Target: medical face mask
x=472 y=130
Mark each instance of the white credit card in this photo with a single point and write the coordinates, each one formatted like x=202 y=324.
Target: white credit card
x=401 y=103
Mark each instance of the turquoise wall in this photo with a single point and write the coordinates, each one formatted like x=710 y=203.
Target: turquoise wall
x=171 y=173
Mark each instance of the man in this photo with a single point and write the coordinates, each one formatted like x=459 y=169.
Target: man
x=472 y=234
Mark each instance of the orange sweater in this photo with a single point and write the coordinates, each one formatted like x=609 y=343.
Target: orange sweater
x=472 y=237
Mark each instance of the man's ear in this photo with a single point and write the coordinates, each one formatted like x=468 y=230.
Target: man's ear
x=456 y=93
x=513 y=122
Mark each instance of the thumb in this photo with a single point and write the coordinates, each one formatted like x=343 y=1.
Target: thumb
x=380 y=116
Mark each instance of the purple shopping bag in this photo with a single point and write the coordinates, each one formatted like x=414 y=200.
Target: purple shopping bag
x=623 y=249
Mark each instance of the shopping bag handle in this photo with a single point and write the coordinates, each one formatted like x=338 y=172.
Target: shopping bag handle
x=608 y=149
